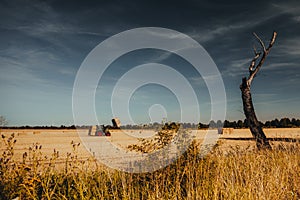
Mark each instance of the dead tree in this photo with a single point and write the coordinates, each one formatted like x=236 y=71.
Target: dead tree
x=256 y=63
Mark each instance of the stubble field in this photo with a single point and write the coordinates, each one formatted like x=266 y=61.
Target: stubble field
x=60 y=140
x=57 y=165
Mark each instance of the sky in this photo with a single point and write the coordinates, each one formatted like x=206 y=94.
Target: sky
x=44 y=43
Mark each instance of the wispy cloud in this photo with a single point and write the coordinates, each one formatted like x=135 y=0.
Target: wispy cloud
x=297 y=18
x=206 y=35
x=278 y=101
x=289 y=46
x=162 y=57
x=223 y=27
x=20 y=77
x=292 y=8
x=281 y=66
x=236 y=67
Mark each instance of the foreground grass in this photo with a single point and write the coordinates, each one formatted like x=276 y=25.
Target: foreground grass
x=238 y=174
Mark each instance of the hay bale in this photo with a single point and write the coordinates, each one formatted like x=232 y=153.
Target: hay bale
x=21 y=133
x=227 y=130
x=116 y=122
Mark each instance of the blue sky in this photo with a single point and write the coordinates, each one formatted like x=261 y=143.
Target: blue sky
x=43 y=43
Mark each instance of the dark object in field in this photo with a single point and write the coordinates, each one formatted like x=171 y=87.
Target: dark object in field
x=254 y=125
x=116 y=123
x=103 y=130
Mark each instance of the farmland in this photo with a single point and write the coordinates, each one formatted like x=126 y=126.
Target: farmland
x=58 y=166
x=60 y=140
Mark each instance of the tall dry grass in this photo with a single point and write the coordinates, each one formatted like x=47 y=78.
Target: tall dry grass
x=238 y=174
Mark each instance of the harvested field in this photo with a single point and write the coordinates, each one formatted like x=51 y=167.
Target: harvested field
x=240 y=173
x=242 y=138
x=60 y=140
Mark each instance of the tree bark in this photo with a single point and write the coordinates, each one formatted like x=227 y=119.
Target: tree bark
x=254 y=125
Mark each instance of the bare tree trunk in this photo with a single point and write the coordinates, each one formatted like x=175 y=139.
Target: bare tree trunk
x=254 y=125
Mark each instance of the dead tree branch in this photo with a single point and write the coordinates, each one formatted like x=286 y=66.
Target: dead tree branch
x=255 y=65
x=255 y=69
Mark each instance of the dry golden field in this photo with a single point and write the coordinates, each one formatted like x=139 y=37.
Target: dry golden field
x=234 y=170
x=60 y=140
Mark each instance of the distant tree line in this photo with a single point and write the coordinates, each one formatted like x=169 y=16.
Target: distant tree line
x=282 y=123
x=275 y=123
x=45 y=127
x=156 y=126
